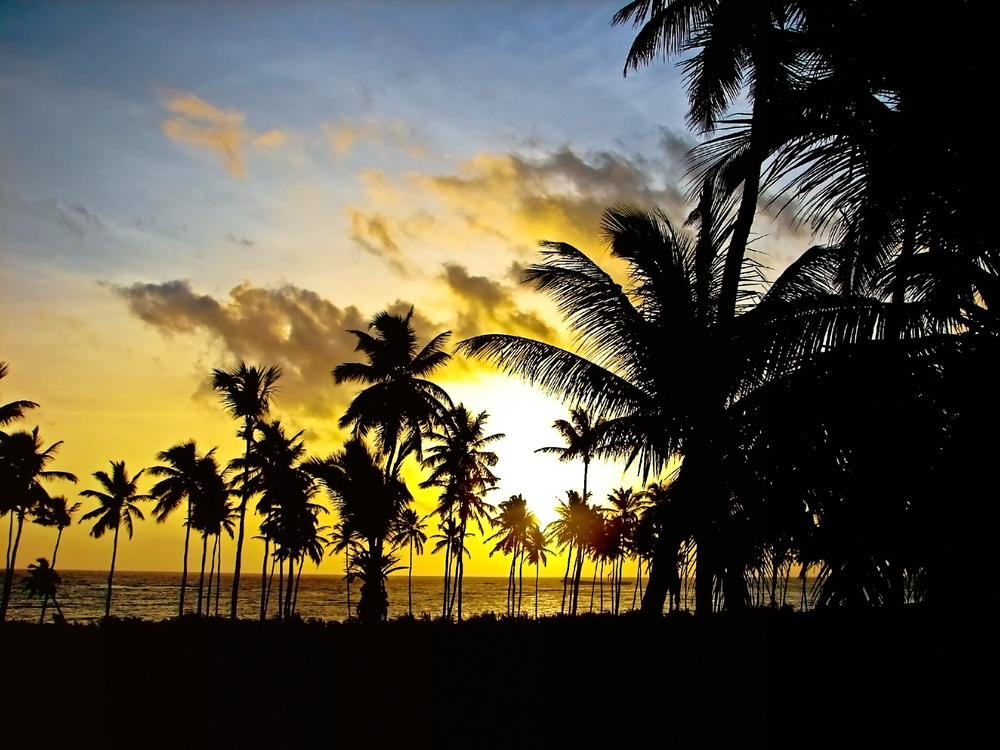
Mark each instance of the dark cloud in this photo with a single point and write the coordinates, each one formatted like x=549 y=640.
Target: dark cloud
x=487 y=306
x=306 y=335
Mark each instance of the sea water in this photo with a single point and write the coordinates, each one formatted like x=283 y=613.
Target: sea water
x=156 y=596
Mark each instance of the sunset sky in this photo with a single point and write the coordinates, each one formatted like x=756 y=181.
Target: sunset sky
x=184 y=185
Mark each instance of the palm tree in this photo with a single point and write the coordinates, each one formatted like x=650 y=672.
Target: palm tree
x=341 y=541
x=566 y=530
x=42 y=580
x=246 y=394
x=409 y=531
x=55 y=511
x=368 y=502
x=625 y=505
x=117 y=507
x=182 y=474
x=536 y=552
x=449 y=540
x=742 y=47
x=654 y=413
x=583 y=436
x=211 y=514
x=399 y=404
x=22 y=471
x=14 y=410
x=513 y=522
x=461 y=466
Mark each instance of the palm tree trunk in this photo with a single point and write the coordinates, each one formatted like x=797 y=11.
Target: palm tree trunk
x=8 y=576
x=243 y=513
x=510 y=584
x=270 y=582
x=520 y=583
x=409 y=580
x=111 y=575
x=211 y=578
x=281 y=584
x=593 y=584
x=298 y=578
x=201 y=578
x=536 y=591
x=460 y=573
x=569 y=559
x=263 y=581
x=184 y=568
x=347 y=576
x=289 y=588
x=218 y=575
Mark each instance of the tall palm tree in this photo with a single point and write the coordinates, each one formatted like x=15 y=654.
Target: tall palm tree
x=22 y=472
x=13 y=410
x=461 y=465
x=211 y=514
x=340 y=541
x=42 y=580
x=566 y=531
x=536 y=553
x=409 y=532
x=246 y=394
x=55 y=511
x=368 y=502
x=182 y=471
x=398 y=403
x=450 y=541
x=513 y=521
x=117 y=507
x=625 y=505
x=740 y=48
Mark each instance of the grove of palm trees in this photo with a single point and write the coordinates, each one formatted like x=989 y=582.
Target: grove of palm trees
x=828 y=425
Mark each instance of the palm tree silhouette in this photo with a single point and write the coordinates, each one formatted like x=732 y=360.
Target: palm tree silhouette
x=450 y=540
x=567 y=531
x=536 y=552
x=409 y=531
x=399 y=404
x=14 y=410
x=211 y=514
x=340 y=541
x=461 y=466
x=55 y=511
x=182 y=474
x=246 y=394
x=513 y=522
x=117 y=507
x=22 y=471
x=42 y=580
x=368 y=502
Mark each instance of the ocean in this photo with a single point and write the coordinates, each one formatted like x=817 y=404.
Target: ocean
x=155 y=596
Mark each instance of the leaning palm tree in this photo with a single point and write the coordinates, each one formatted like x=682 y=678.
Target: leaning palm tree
x=246 y=393
x=55 y=511
x=449 y=541
x=42 y=580
x=181 y=471
x=461 y=465
x=398 y=403
x=512 y=521
x=409 y=531
x=23 y=469
x=117 y=507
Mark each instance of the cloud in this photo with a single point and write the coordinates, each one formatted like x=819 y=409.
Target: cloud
x=75 y=218
x=487 y=306
x=373 y=234
x=346 y=134
x=196 y=122
x=294 y=328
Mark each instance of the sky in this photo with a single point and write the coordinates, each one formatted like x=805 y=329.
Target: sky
x=187 y=185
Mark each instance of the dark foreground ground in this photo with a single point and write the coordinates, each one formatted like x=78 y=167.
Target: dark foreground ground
x=761 y=679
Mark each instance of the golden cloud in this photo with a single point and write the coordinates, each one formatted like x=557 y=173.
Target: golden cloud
x=294 y=328
x=196 y=122
x=344 y=135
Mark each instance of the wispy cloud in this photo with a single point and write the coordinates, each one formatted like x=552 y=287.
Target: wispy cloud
x=196 y=122
x=347 y=133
